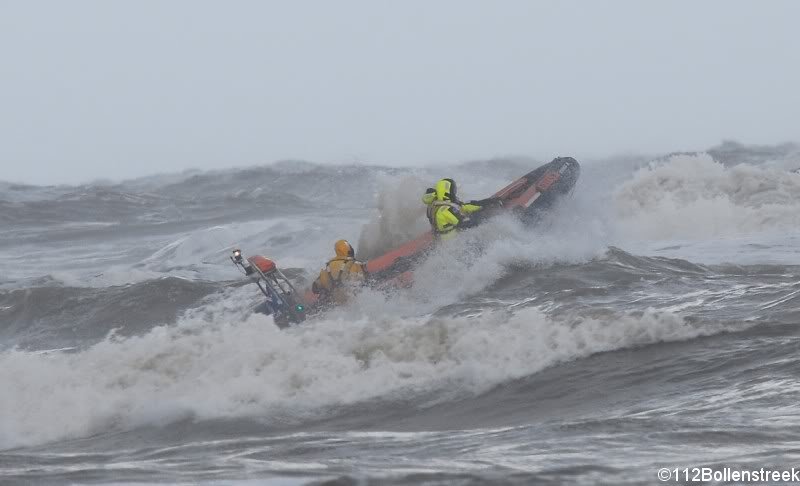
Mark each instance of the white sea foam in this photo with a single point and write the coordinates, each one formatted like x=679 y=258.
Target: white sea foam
x=217 y=364
x=696 y=197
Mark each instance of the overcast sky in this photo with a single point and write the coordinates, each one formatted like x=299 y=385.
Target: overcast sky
x=115 y=89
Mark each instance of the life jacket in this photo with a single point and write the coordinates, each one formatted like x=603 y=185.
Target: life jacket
x=439 y=223
x=344 y=269
x=339 y=276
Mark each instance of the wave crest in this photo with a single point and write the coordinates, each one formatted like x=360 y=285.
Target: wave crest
x=247 y=368
x=695 y=196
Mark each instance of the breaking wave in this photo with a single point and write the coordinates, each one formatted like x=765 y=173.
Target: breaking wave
x=237 y=367
x=693 y=196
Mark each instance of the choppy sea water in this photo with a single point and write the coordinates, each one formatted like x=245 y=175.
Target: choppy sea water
x=651 y=322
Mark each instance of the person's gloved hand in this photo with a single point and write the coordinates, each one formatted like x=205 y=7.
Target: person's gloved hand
x=488 y=202
x=493 y=201
x=467 y=222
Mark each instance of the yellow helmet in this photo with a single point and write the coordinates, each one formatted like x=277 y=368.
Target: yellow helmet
x=344 y=249
x=446 y=190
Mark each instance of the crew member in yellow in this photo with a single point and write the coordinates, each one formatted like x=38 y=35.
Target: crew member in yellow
x=446 y=213
x=341 y=276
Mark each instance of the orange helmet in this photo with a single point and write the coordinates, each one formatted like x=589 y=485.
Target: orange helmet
x=344 y=249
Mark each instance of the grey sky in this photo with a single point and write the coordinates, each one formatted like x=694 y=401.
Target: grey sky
x=92 y=89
